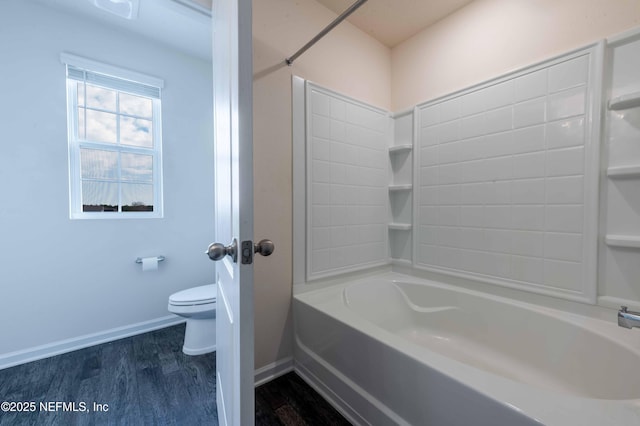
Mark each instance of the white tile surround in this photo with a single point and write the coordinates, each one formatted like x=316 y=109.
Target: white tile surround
x=500 y=186
x=347 y=177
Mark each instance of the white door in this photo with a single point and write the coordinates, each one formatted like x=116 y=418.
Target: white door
x=233 y=79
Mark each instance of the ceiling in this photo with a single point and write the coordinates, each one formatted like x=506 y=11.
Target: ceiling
x=182 y=24
x=393 y=21
x=185 y=24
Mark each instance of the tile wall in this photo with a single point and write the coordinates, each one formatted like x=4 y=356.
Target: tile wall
x=500 y=179
x=347 y=178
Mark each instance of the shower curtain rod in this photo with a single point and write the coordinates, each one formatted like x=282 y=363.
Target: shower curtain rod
x=324 y=32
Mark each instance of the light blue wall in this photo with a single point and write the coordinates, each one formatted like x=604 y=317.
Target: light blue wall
x=60 y=278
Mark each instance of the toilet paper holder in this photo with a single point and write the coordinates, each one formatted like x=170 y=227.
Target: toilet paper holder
x=160 y=259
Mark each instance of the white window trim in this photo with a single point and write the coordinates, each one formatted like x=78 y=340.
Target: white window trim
x=75 y=190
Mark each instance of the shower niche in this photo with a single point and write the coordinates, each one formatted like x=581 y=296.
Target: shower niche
x=401 y=188
x=620 y=182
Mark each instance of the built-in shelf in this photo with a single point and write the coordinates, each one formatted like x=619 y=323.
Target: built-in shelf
x=621 y=172
x=400 y=187
x=407 y=262
x=632 y=241
x=400 y=226
x=400 y=148
x=630 y=100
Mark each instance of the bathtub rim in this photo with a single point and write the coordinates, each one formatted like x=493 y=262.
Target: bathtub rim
x=604 y=312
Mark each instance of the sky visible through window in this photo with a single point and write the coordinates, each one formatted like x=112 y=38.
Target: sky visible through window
x=117 y=121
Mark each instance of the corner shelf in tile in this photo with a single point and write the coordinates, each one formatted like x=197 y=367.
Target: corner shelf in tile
x=400 y=226
x=400 y=148
x=400 y=262
x=630 y=100
x=407 y=187
x=623 y=172
x=629 y=241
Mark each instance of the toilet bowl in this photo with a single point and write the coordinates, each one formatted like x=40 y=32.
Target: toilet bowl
x=198 y=306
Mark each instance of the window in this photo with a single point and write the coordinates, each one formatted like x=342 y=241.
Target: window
x=114 y=132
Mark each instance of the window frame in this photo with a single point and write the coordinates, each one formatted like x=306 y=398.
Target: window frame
x=75 y=144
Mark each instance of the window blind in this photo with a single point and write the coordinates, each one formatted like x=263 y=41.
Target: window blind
x=102 y=74
x=112 y=82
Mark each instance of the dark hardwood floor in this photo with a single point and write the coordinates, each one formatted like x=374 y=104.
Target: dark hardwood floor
x=145 y=380
x=289 y=401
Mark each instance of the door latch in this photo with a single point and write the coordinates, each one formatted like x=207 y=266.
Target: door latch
x=246 y=252
x=262 y=247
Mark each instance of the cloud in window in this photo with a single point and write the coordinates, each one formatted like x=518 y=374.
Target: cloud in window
x=135 y=105
x=98 y=164
x=136 y=131
x=101 y=126
x=137 y=167
x=100 y=98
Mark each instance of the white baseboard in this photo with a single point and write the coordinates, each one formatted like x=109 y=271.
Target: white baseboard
x=63 y=346
x=11 y=359
x=271 y=371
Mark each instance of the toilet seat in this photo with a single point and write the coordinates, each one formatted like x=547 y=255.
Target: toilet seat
x=197 y=306
x=194 y=296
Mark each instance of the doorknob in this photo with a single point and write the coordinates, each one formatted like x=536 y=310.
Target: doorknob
x=217 y=251
x=264 y=247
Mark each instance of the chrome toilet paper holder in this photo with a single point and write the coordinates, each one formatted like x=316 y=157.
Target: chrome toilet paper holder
x=160 y=259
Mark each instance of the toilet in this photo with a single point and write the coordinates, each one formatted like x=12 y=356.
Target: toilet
x=198 y=306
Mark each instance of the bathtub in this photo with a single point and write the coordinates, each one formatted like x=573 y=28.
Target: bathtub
x=393 y=349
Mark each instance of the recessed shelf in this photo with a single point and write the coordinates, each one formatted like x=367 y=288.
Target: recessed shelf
x=400 y=226
x=630 y=100
x=631 y=241
x=400 y=187
x=400 y=261
x=621 y=172
x=400 y=148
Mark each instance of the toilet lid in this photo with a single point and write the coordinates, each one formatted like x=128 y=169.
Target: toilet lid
x=194 y=296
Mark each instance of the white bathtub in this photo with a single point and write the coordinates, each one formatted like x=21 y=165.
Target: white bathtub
x=394 y=349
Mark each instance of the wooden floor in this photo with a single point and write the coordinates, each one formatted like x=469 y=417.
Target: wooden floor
x=145 y=380
x=289 y=401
